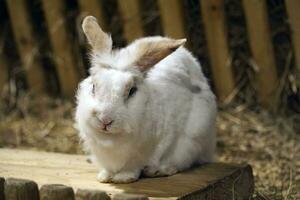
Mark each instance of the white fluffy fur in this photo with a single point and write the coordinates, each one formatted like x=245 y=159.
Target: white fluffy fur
x=167 y=126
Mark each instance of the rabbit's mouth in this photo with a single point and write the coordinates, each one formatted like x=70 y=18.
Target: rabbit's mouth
x=104 y=129
x=114 y=128
x=108 y=130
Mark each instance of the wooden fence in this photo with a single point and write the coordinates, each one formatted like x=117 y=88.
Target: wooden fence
x=173 y=24
x=23 y=189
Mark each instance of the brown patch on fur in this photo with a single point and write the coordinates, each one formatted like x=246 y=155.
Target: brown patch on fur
x=151 y=58
x=153 y=52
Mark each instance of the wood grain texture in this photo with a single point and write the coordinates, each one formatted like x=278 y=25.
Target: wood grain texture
x=64 y=58
x=94 y=8
x=132 y=21
x=20 y=189
x=215 y=180
x=26 y=44
x=292 y=7
x=172 y=18
x=56 y=191
x=261 y=45
x=3 y=61
x=2 y=188
x=3 y=73
x=129 y=197
x=216 y=35
x=3 y=70
x=82 y=194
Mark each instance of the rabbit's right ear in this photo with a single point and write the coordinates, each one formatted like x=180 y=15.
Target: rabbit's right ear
x=100 y=41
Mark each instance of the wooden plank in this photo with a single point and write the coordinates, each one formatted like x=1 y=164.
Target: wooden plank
x=94 y=8
x=216 y=35
x=131 y=16
x=56 y=191
x=20 y=189
x=172 y=18
x=26 y=44
x=262 y=49
x=214 y=179
x=293 y=7
x=66 y=66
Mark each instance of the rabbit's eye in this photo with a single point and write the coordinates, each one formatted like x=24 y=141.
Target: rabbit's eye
x=132 y=91
x=93 y=89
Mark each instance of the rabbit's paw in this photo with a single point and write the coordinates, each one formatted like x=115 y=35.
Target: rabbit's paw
x=104 y=176
x=125 y=177
x=152 y=171
x=168 y=170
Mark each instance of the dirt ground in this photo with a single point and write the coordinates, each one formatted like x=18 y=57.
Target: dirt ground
x=270 y=144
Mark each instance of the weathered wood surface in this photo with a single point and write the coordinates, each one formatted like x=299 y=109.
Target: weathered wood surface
x=292 y=7
x=56 y=191
x=3 y=71
x=3 y=61
x=262 y=50
x=94 y=8
x=129 y=197
x=26 y=44
x=216 y=34
x=172 y=17
x=210 y=181
x=20 y=189
x=66 y=64
x=82 y=194
x=132 y=20
x=2 y=188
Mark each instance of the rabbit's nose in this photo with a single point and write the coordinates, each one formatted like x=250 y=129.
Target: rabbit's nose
x=106 y=122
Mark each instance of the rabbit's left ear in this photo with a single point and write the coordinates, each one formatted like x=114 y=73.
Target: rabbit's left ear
x=100 y=41
x=152 y=52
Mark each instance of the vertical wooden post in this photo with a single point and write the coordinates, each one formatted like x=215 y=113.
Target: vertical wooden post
x=26 y=44
x=56 y=191
x=215 y=31
x=262 y=49
x=293 y=7
x=130 y=12
x=83 y=194
x=3 y=72
x=62 y=48
x=172 y=16
x=2 y=181
x=125 y=196
x=3 y=64
x=94 y=8
x=20 y=189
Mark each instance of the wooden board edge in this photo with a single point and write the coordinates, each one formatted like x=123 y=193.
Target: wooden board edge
x=241 y=180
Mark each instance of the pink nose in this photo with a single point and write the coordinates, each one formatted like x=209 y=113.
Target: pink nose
x=106 y=122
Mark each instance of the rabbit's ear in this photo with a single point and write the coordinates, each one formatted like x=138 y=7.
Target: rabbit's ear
x=152 y=52
x=100 y=41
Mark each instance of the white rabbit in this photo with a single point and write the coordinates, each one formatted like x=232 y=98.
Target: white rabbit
x=146 y=108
